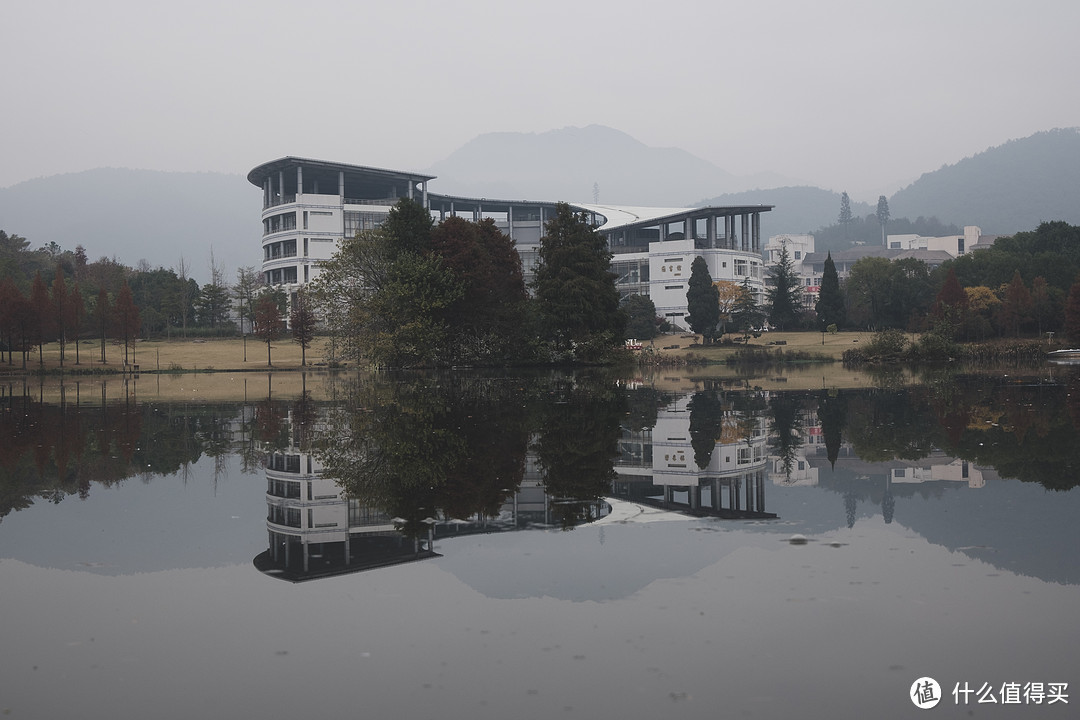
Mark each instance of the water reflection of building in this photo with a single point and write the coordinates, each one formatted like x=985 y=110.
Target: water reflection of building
x=660 y=466
x=811 y=456
x=315 y=531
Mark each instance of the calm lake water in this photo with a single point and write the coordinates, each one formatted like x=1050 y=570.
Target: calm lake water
x=540 y=545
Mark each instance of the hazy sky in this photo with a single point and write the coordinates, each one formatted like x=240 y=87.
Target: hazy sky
x=858 y=96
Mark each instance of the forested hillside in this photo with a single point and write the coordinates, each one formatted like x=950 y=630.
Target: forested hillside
x=1004 y=190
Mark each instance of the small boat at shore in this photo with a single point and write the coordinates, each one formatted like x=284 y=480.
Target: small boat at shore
x=1067 y=355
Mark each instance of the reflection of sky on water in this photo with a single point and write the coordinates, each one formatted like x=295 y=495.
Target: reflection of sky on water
x=762 y=628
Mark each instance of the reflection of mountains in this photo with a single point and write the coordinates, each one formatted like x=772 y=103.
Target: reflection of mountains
x=1015 y=526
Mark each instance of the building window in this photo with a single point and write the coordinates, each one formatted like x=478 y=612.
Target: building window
x=798 y=254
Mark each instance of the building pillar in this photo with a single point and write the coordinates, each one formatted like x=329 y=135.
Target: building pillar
x=341 y=186
x=757 y=234
x=510 y=221
x=423 y=187
x=281 y=184
x=299 y=181
x=744 y=243
x=266 y=192
x=710 y=230
x=410 y=189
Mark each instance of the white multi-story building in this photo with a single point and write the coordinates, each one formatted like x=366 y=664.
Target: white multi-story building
x=809 y=265
x=309 y=206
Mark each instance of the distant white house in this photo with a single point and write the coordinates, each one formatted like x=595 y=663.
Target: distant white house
x=809 y=265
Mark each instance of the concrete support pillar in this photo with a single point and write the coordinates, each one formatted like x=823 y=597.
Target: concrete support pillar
x=299 y=181
x=745 y=240
x=510 y=221
x=423 y=186
x=348 y=548
x=410 y=189
x=710 y=230
x=757 y=233
x=266 y=192
x=341 y=186
x=281 y=185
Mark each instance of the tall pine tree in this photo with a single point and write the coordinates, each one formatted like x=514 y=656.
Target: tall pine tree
x=830 y=304
x=785 y=296
x=702 y=301
x=577 y=300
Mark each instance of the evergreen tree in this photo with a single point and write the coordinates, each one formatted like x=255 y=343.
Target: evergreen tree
x=640 y=317
x=882 y=215
x=577 y=301
x=845 y=215
x=409 y=226
x=487 y=321
x=830 y=304
x=215 y=298
x=747 y=314
x=784 y=297
x=702 y=301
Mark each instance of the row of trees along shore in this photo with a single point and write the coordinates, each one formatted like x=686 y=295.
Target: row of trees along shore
x=415 y=293
x=52 y=295
x=1025 y=285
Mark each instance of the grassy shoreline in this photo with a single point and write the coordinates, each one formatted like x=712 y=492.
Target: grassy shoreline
x=199 y=355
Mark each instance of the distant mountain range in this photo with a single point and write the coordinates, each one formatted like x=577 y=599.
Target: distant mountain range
x=160 y=216
x=572 y=163
x=135 y=215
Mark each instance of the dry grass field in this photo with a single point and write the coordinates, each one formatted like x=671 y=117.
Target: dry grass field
x=830 y=346
x=172 y=370
x=231 y=355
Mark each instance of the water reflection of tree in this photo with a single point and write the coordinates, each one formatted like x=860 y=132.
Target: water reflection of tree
x=54 y=450
x=1021 y=427
x=706 y=425
x=888 y=424
x=832 y=414
x=577 y=443
x=422 y=445
x=785 y=415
